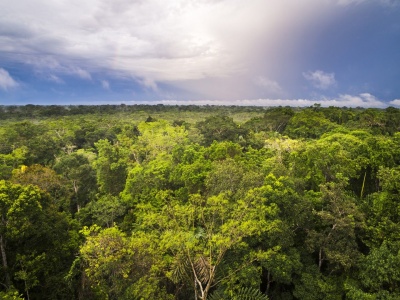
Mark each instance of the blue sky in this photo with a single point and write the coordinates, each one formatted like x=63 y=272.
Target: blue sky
x=235 y=52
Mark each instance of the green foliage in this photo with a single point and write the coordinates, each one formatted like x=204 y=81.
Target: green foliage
x=173 y=202
x=111 y=167
x=145 y=181
x=275 y=119
x=11 y=294
x=202 y=232
x=383 y=208
x=330 y=157
x=77 y=171
x=108 y=261
x=46 y=179
x=155 y=138
x=220 y=128
x=334 y=238
x=312 y=285
x=104 y=212
x=121 y=267
x=10 y=161
x=37 y=242
x=243 y=293
x=308 y=124
x=380 y=269
x=378 y=277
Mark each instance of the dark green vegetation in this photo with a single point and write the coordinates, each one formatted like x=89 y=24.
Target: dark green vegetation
x=139 y=202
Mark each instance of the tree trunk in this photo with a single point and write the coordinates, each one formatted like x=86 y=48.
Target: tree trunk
x=320 y=259
x=4 y=259
x=268 y=283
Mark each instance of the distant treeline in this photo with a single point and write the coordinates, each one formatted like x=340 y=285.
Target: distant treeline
x=33 y=111
x=384 y=121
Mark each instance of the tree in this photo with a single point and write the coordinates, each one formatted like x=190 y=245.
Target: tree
x=205 y=239
x=372 y=119
x=190 y=168
x=293 y=213
x=225 y=177
x=41 y=148
x=145 y=181
x=382 y=209
x=18 y=206
x=338 y=115
x=111 y=167
x=121 y=267
x=275 y=119
x=336 y=153
x=378 y=277
x=45 y=178
x=81 y=177
x=11 y=161
x=333 y=239
x=392 y=120
x=155 y=138
x=308 y=124
x=220 y=128
x=108 y=261
x=37 y=243
x=104 y=212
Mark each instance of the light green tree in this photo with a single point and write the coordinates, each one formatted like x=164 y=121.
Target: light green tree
x=206 y=239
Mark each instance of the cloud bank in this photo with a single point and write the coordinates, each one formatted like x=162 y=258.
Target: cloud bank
x=154 y=39
x=363 y=100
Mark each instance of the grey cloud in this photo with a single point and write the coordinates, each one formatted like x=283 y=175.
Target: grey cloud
x=13 y=29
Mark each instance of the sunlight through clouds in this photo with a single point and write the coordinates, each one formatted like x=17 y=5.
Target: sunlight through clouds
x=208 y=49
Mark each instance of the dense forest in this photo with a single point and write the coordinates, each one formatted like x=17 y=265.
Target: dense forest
x=199 y=202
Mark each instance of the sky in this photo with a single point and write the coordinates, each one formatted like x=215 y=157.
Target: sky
x=222 y=52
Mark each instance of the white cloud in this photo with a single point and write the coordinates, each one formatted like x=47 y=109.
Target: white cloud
x=55 y=78
x=395 y=102
x=148 y=83
x=320 y=79
x=105 y=84
x=361 y=100
x=6 y=81
x=267 y=84
x=83 y=74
